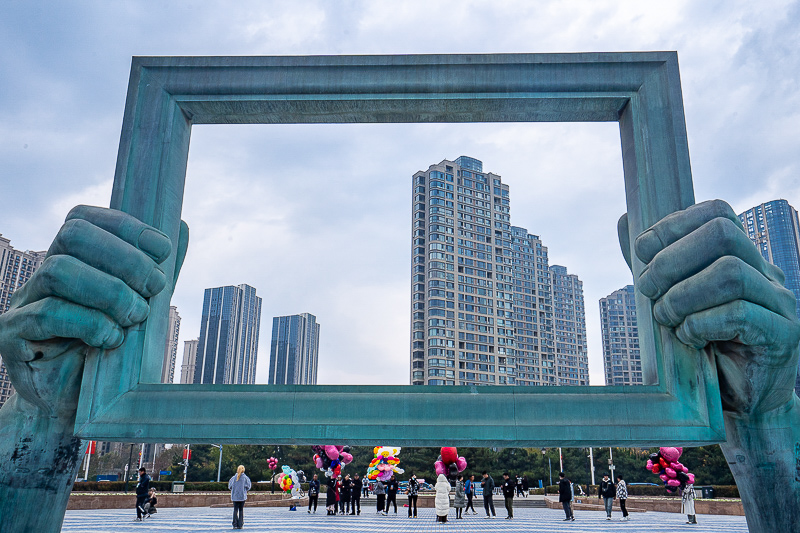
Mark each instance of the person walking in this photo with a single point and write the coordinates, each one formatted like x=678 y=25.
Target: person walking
x=565 y=495
x=519 y=486
x=469 y=490
x=526 y=487
x=442 y=499
x=380 y=495
x=391 y=493
x=142 y=493
x=356 y=494
x=622 y=496
x=345 y=494
x=330 y=496
x=313 y=493
x=460 y=500
x=413 y=494
x=687 y=504
x=239 y=485
x=488 y=490
x=509 y=486
x=607 y=491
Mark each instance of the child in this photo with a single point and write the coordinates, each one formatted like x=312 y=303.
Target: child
x=149 y=507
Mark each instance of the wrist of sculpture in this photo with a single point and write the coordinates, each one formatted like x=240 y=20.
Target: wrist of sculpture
x=40 y=458
x=763 y=452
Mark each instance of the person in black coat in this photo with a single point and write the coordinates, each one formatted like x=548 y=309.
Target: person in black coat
x=565 y=495
x=607 y=491
x=344 y=495
x=509 y=485
x=330 y=496
x=357 y=485
x=392 y=486
x=142 y=492
x=313 y=493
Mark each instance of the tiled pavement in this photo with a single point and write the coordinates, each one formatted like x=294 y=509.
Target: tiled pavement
x=276 y=520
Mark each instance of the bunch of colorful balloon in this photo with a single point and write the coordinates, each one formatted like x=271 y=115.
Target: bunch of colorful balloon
x=384 y=464
x=331 y=459
x=449 y=463
x=289 y=482
x=272 y=463
x=672 y=473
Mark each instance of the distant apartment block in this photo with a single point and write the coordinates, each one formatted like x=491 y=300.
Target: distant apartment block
x=16 y=267
x=229 y=330
x=621 y=358
x=773 y=227
x=569 y=325
x=189 y=361
x=294 y=351
x=482 y=292
x=171 y=348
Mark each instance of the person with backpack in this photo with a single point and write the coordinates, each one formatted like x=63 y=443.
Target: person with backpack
x=565 y=495
x=607 y=492
x=142 y=492
x=313 y=493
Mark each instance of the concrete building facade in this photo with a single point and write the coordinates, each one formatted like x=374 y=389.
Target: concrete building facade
x=171 y=348
x=621 y=359
x=189 y=361
x=229 y=329
x=294 y=350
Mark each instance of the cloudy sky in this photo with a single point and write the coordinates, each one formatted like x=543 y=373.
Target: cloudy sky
x=317 y=218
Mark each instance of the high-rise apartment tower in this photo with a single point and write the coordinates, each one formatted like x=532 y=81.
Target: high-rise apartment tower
x=621 y=360
x=482 y=291
x=171 y=348
x=189 y=361
x=294 y=351
x=229 y=328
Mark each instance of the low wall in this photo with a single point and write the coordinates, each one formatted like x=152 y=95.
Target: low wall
x=115 y=500
x=661 y=505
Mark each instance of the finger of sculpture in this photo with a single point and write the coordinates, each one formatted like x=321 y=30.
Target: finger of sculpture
x=67 y=278
x=107 y=253
x=726 y=280
x=675 y=226
x=690 y=255
x=743 y=321
x=130 y=229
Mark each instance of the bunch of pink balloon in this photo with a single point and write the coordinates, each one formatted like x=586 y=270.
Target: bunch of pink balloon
x=672 y=473
x=272 y=463
x=331 y=459
x=449 y=463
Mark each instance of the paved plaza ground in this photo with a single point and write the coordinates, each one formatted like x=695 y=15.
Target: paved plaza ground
x=276 y=520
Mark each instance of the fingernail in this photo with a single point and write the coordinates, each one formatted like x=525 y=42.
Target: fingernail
x=648 y=244
x=138 y=313
x=155 y=282
x=646 y=285
x=155 y=243
x=114 y=339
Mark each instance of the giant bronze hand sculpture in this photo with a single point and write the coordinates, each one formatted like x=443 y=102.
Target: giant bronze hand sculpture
x=92 y=287
x=711 y=284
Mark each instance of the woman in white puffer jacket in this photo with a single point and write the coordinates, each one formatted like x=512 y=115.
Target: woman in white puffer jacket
x=442 y=498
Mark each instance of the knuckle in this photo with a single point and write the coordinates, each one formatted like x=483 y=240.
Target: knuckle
x=78 y=212
x=70 y=233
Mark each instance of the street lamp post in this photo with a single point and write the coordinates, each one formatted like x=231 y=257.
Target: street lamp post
x=591 y=464
x=219 y=468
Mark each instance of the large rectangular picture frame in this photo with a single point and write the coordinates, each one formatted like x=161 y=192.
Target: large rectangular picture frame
x=122 y=399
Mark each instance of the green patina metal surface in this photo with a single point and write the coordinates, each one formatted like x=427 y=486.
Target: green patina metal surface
x=167 y=95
